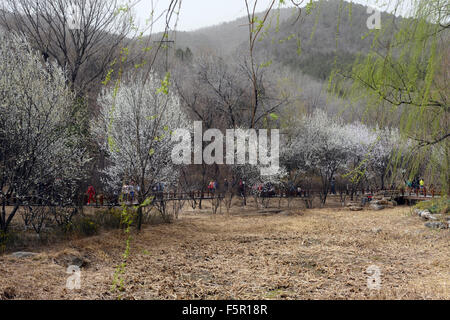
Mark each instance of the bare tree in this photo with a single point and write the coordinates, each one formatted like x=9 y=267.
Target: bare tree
x=83 y=36
x=256 y=28
x=210 y=96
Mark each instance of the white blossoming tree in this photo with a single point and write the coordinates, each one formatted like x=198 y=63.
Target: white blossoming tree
x=41 y=158
x=317 y=145
x=387 y=146
x=134 y=130
x=371 y=152
x=325 y=146
x=360 y=154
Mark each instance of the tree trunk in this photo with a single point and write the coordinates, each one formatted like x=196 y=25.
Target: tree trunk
x=139 y=222
x=5 y=222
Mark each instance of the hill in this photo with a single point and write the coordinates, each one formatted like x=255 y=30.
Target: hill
x=333 y=29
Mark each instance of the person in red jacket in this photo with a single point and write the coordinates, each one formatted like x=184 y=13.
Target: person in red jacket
x=91 y=194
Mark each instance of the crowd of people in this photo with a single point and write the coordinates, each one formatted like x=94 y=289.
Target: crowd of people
x=127 y=194
x=214 y=186
x=129 y=191
x=418 y=187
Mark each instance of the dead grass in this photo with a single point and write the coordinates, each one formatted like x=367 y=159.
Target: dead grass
x=318 y=254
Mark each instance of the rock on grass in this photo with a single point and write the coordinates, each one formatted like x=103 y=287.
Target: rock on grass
x=21 y=255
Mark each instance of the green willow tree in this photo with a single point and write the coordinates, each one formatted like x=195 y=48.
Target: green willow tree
x=405 y=77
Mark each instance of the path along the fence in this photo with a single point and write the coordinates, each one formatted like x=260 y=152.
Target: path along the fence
x=409 y=196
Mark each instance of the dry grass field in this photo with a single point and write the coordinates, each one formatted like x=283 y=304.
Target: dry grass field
x=295 y=254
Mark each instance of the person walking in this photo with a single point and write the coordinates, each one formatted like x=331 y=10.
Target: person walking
x=333 y=186
x=125 y=193
x=416 y=185
x=408 y=187
x=422 y=187
x=432 y=190
x=131 y=191
x=115 y=201
x=225 y=185
x=137 y=190
x=241 y=188
x=242 y=191
x=210 y=186
x=291 y=190
x=91 y=194
x=159 y=190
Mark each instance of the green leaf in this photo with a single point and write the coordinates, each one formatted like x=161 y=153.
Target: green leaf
x=274 y=116
x=165 y=84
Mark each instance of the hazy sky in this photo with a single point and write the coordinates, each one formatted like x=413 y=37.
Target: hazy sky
x=196 y=14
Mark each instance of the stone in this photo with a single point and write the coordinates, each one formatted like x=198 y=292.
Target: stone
x=377 y=230
x=22 y=255
x=77 y=262
x=419 y=212
x=67 y=259
x=9 y=293
x=377 y=207
x=392 y=204
x=356 y=209
x=426 y=215
x=437 y=225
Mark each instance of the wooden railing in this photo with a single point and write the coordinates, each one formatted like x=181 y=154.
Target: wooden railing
x=102 y=200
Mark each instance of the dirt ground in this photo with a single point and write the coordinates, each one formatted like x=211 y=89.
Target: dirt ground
x=295 y=254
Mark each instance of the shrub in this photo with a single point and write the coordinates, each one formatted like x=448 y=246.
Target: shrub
x=109 y=219
x=11 y=239
x=440 y=205
x=4 y=239
x=113 y=218
x=86 y=227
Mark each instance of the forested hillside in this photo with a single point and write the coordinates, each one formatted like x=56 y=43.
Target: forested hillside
x=308 y=44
